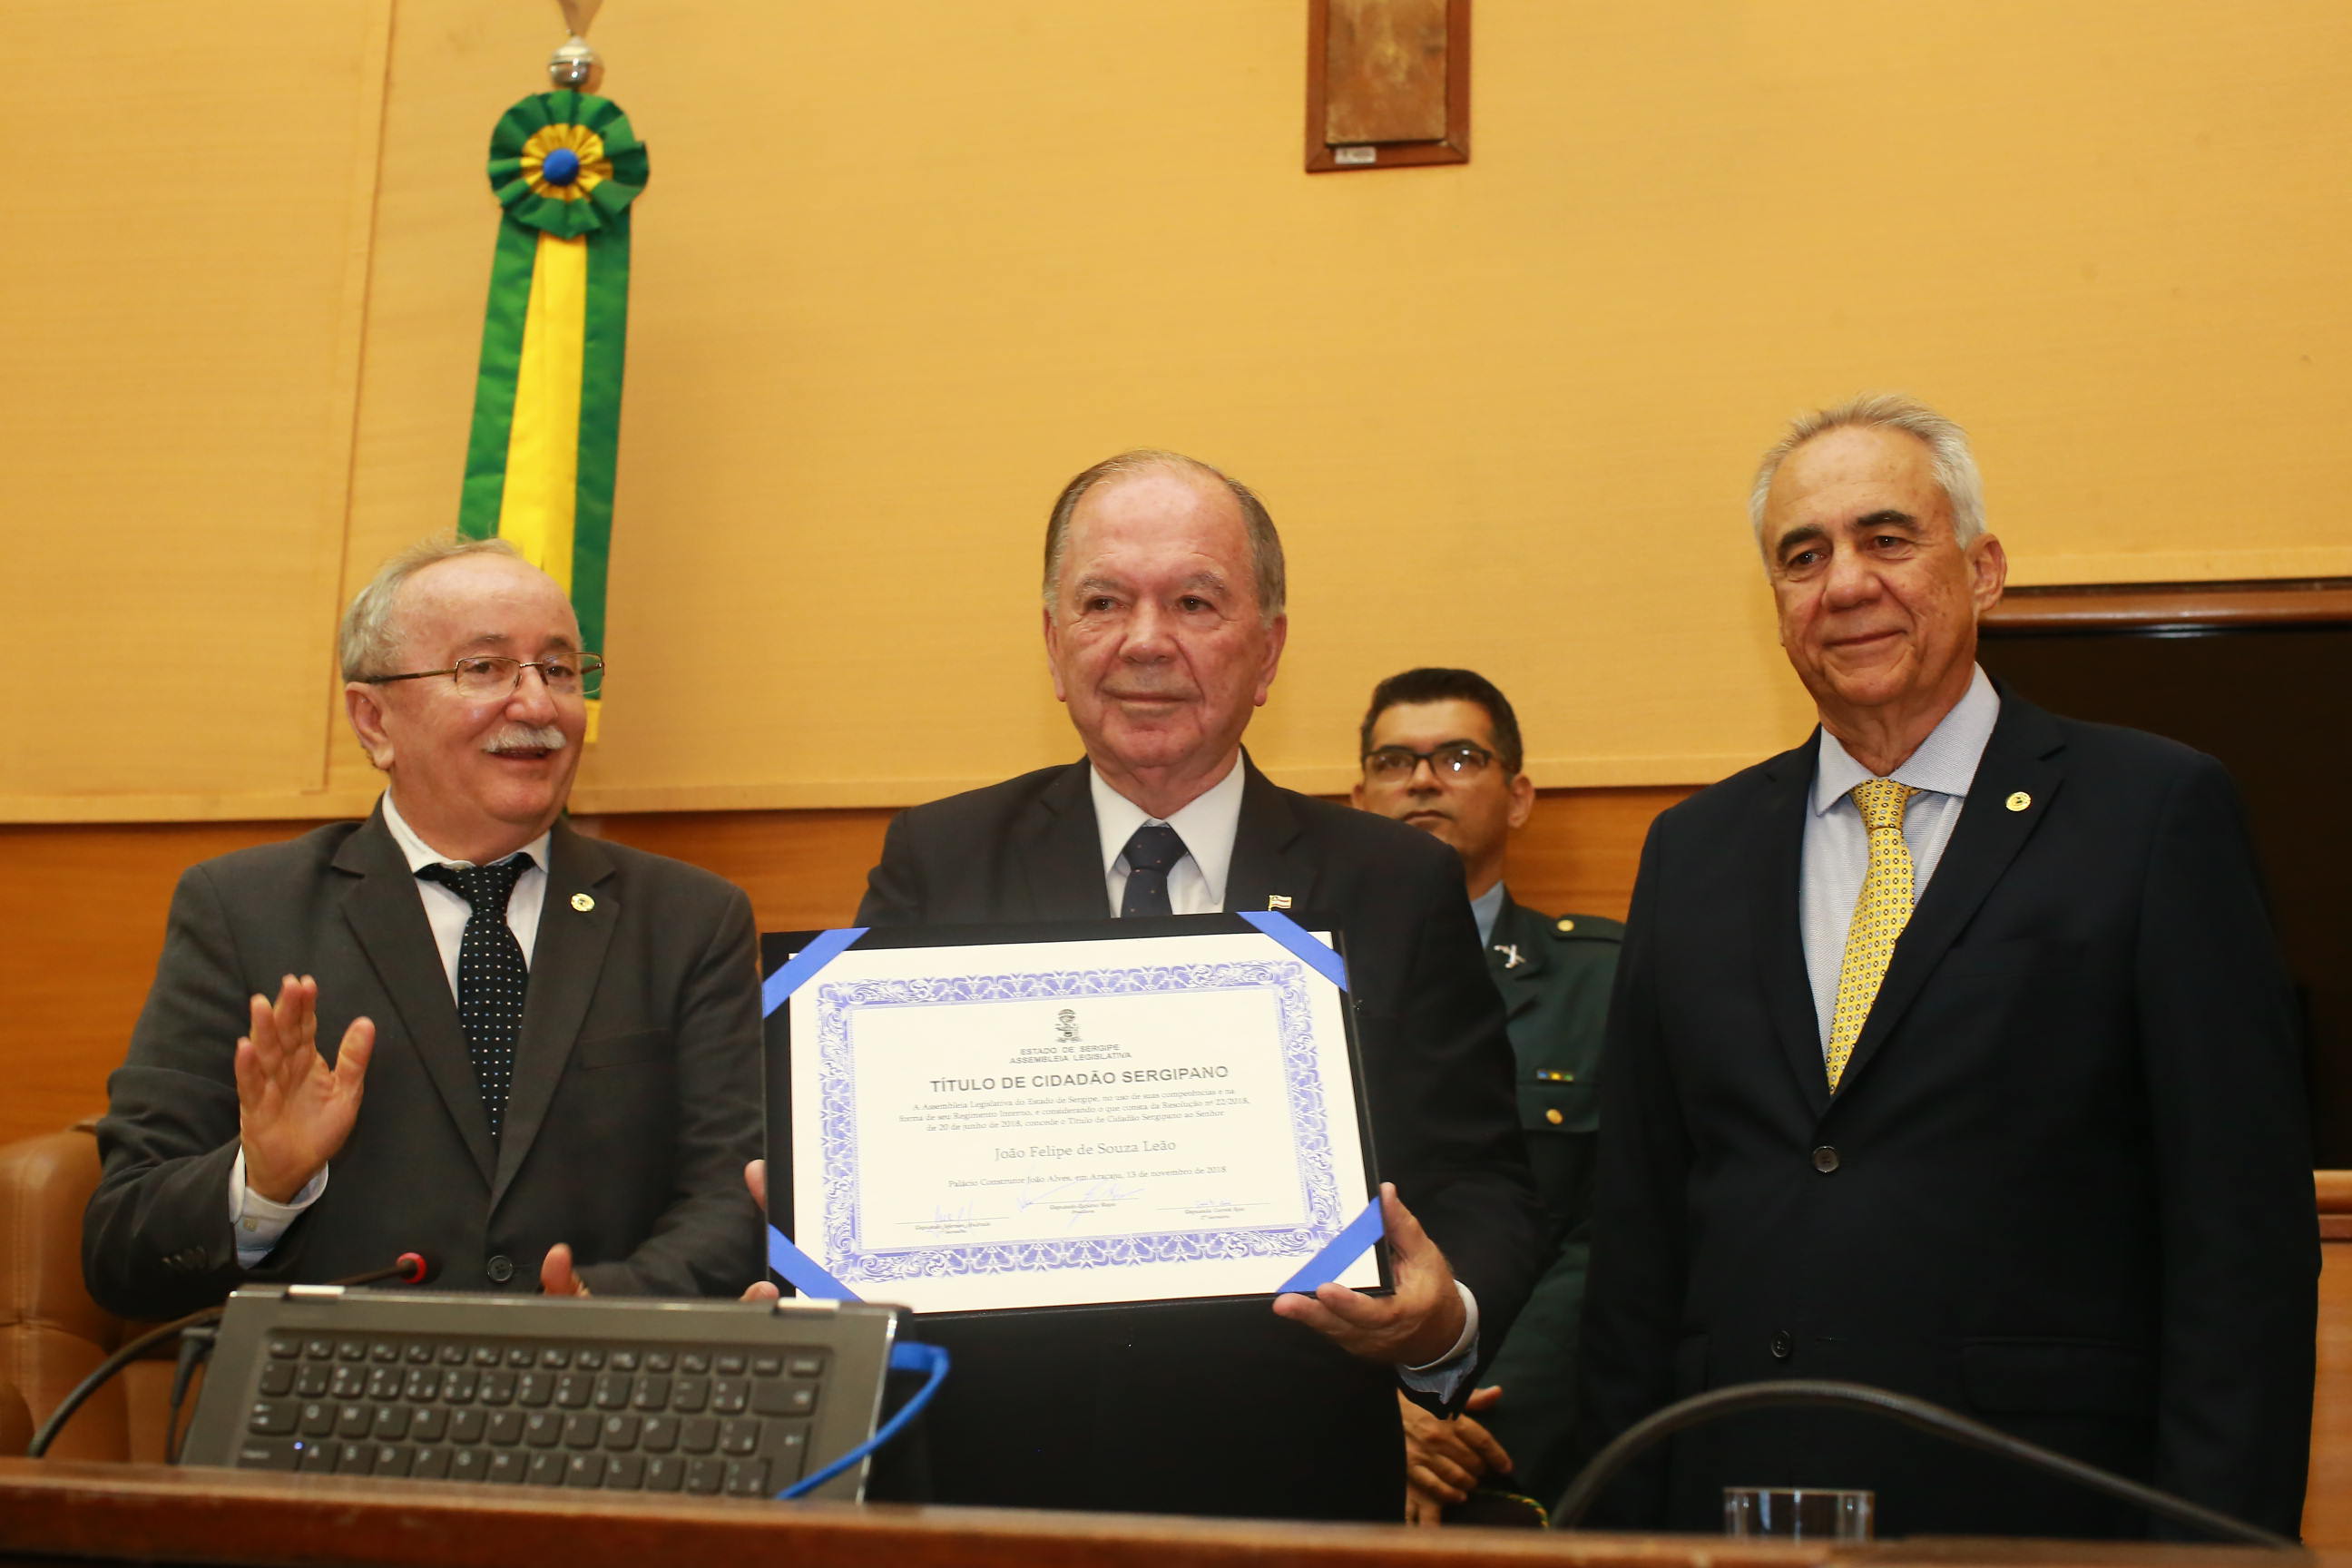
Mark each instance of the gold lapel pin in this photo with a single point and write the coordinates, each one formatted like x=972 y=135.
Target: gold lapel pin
x=1277 y=900
x=2020 y=801
x=582 y=902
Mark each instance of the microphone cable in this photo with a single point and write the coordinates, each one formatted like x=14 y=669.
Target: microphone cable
x=410 y=1268
x=1933 y=1419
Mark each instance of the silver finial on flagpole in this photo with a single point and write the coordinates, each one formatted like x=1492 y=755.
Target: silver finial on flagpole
x=576 y=65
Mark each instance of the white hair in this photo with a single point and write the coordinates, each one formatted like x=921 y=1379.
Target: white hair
x=367 y=641
x=1950 y=459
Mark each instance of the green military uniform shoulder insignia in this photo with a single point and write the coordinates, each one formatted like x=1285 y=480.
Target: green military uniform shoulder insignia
x=1586 y=928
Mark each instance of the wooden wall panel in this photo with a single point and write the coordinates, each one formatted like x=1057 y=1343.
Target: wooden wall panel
x=81 y=923
x=83 y=909
x=804 y=869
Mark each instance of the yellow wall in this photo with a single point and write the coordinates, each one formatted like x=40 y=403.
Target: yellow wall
x=905 y=267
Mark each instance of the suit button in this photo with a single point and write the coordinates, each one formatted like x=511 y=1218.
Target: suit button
x=1784 y=1345
x=500 y=1268
x=1825 y=1159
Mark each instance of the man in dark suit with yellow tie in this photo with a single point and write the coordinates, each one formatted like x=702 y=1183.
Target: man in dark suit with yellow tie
x=1951 y=1052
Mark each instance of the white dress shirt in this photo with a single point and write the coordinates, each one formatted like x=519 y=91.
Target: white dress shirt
x=260 y=1223
x=1196 y=886
x=1837 y=843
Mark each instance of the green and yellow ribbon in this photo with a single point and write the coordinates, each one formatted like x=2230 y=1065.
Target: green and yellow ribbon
x=547 y=406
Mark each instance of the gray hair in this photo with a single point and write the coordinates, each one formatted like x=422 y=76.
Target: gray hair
x=1950 y=459
x=1264 y=545
x=366 y=642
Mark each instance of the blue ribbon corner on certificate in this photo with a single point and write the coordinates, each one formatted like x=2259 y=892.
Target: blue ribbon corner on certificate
x=1319 y=955
x=805 y=964
x=806 y=1273
x=1339 y=1252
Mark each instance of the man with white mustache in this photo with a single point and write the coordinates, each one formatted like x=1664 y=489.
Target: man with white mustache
x=557 y=1038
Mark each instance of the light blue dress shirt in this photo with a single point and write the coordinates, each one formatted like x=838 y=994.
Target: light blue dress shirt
x=1837 y=844
x=1486 y=909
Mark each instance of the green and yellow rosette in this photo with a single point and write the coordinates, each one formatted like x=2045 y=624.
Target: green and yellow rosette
x=565 y=166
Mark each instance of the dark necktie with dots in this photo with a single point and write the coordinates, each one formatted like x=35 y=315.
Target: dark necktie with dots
x=491 y=975
x=1151 y=852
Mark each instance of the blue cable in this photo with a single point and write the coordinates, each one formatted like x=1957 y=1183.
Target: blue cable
x=905 y=1356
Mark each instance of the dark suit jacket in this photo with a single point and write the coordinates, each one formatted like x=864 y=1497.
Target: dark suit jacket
x=2064 y=1187
x=635 y=1100
x=1223 y=1408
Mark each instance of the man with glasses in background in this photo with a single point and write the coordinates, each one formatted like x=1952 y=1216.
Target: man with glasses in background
x=1441 y=751
x=558 y=1039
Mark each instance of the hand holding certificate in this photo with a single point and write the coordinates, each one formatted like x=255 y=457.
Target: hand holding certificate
x=1022 y=1123
x=1415 y=1325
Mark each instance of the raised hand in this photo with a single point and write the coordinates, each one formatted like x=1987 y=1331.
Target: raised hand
x=293 y=1109
x=1412 y=1326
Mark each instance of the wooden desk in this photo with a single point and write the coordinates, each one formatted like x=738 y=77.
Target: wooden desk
x=55 y=1512
x=2327 y=1504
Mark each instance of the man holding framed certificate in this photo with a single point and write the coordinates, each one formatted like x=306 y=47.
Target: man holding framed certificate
x=1164 y=626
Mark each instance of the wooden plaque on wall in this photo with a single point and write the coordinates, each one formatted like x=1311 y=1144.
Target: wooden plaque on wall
x=1388 y=83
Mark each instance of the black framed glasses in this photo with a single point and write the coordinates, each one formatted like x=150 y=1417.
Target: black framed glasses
x=1454 y=760
x=480 y=677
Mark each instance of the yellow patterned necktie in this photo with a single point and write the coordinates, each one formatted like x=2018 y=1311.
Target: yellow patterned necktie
x=1879 y=915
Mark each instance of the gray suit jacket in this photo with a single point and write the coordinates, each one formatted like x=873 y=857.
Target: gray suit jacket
x=635 y=1100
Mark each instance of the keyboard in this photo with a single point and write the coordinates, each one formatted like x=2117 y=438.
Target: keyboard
x=698 y=1398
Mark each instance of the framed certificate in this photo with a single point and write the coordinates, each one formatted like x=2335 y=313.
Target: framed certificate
x=981 y=1119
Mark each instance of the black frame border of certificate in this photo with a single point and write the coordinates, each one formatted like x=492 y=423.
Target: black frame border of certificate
x=778 y=947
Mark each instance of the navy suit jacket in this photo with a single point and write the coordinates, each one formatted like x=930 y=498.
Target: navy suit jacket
x=2064 y=1185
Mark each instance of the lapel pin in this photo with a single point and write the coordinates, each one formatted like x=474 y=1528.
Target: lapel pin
x=1510 y=952
x=2020 y=801
x=582 y=902
x=1277 y=900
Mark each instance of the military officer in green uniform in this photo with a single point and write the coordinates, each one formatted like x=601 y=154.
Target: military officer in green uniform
x=1440 y=751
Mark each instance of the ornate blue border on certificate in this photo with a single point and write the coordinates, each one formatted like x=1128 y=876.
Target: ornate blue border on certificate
x=837 y=1004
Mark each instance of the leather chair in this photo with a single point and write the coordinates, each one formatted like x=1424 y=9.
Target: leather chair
x=51 y=1334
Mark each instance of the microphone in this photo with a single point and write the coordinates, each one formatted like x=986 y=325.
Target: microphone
x=1934 y=1419
x=409 y=1269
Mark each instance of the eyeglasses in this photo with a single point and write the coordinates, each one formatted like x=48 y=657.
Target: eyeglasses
x=1394 y=765
x=484 y=675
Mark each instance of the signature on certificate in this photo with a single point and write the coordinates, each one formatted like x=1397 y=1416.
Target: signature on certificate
x=1077 y=1199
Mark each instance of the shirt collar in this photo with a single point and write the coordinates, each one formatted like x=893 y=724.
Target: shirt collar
x=419 y=854
x=1945 y=764
x=1207 y=826
x=1486 y=908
